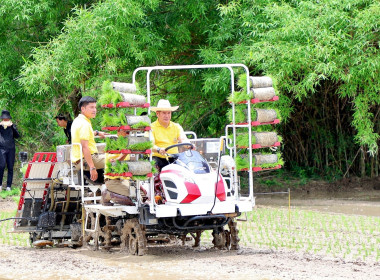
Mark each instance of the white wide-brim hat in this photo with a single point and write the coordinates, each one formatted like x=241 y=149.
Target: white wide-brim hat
x=163 y=105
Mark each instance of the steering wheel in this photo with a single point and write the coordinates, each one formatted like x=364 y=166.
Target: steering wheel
x=179 y=145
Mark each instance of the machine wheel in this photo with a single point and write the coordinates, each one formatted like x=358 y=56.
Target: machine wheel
x=227 y=239
x=102 y=236
x=88 y=236
x=33 y=236
x=221 y=239
x=106 y=233
x=197 y=238
x=133 y=239
x=234 y=235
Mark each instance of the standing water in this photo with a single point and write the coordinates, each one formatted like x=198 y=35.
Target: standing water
x=366 y=203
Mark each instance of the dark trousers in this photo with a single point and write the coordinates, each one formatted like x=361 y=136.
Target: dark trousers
x=162 y=162
x=7 y=157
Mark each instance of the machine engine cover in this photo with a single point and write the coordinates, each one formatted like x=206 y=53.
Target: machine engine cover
x=190 y=179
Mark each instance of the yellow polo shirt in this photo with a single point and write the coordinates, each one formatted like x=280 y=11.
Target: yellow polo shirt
x=166 y=136
x=81 y=129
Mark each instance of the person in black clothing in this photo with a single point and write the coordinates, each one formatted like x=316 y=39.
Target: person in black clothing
x=8 y=133
x=62 y=121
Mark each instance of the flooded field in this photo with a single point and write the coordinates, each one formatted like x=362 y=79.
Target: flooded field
x=351 y=203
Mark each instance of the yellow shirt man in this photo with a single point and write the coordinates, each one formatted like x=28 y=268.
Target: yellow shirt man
x=165 y=133
x=81 y=129
x=81 y=132
x=166 y=136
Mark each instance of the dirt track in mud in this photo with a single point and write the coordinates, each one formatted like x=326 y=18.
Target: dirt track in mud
x=175 y=261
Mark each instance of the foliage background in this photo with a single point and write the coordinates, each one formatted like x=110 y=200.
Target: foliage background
x=323 y=56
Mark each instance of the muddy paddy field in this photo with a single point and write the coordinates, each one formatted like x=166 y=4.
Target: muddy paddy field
x=323 y=235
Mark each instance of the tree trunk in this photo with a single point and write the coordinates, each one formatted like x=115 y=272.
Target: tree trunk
x=362 y=162
x=74 y=98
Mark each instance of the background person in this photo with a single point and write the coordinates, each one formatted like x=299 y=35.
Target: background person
x=82 y=132
x=8 y=133
x=62 y=121
x=165 y=133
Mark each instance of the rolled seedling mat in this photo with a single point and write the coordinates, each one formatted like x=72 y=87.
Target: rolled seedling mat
x=132 y=120
x=124 y=87
x=260 y=82
x=263 y=94
x=140 y=167
x=133 y=140
x=265 y=138
x=265 y=115
x=133 y=99
x=265 y=159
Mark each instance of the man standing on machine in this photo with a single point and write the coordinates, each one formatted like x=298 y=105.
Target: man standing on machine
x=165 y=133
x=82 y=133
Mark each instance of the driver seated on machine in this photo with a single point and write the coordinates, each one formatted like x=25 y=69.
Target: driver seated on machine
x=165 y=133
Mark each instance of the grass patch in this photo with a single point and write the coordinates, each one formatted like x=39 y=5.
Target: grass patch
x=12 y=192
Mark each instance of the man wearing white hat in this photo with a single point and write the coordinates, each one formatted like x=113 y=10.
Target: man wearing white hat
x=165 y=132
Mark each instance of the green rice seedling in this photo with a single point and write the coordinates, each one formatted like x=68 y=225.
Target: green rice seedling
x=121 y=143
x=108 y=167
x=109 y=119
x=116 y=98
x=121 y=167
x=108 y=94
x=242 y=81
x=249 y=238
x=240 y=113
x=122 y=120
x=241 y=163
x=105 y=98
x=238 y=96
x=141 y=146
x=140 y=177
x=315 y=232
x=140 y=125
x=154 y=169
x=112 y=167
x=110 y=144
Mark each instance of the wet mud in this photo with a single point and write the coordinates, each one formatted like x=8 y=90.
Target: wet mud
x=174 y=261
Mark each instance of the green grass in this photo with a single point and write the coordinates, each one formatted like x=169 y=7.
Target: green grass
x=269 y=182
x=13 y=192
x=350 y=237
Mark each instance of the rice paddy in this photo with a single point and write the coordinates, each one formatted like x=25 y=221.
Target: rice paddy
x=350 y=237
x=8 y=238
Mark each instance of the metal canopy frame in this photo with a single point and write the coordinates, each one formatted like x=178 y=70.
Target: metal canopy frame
x=233 y=125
